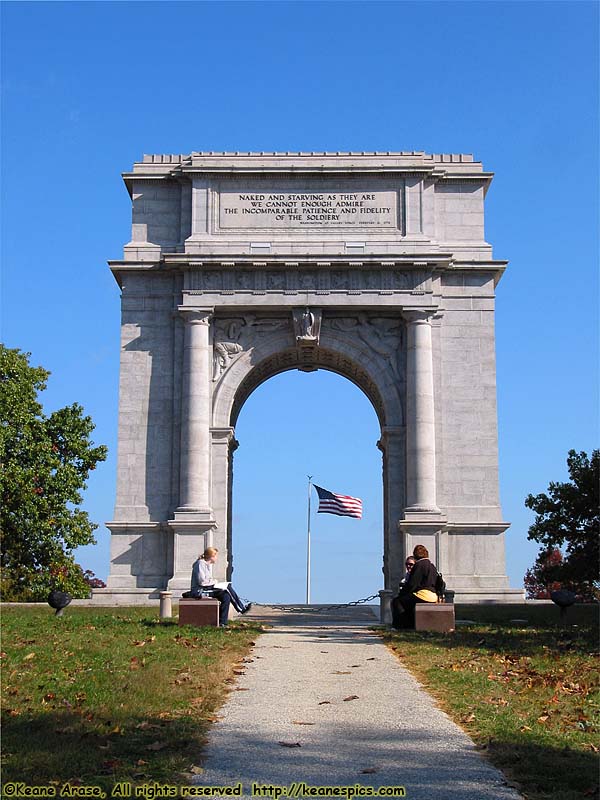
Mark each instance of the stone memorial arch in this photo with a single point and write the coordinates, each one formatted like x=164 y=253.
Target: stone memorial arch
x=371 y=265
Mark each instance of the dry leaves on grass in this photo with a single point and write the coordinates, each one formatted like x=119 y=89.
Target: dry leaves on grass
x=183 y=677
x=156 y=746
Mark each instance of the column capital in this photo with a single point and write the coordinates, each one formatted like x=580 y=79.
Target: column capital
x=416 y=316
x=222 y=435
x=391 y=436
x=195 y=316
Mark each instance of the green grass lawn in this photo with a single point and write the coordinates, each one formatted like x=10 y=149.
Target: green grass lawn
x=101 y=695
x=527 y=693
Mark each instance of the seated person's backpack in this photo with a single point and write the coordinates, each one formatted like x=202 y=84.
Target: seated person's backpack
x=440 y=587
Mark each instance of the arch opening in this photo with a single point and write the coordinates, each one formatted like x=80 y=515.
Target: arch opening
x=290 y=424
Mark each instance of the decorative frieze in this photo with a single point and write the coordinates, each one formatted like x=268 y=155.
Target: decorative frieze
x=325 y=280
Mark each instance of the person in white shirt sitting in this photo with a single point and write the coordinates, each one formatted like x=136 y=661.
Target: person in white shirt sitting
x=204 y=583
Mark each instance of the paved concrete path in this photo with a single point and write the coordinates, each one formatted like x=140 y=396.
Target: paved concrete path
x=296 y=689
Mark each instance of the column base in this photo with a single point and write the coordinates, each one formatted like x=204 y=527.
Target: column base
x=203 y=516
x=423 y=514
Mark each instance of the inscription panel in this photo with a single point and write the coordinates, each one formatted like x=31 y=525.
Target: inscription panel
x=297 y=209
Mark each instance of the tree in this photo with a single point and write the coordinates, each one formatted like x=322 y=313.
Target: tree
x=45 y=464
x=540 y=580
x=569 y=516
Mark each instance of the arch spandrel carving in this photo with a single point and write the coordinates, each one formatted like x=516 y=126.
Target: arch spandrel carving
x=346 y=347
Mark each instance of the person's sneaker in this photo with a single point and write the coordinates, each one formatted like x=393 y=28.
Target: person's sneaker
x=247 y=608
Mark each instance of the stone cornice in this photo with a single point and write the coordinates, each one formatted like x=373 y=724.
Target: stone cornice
x=435 y=261
x=415 y=163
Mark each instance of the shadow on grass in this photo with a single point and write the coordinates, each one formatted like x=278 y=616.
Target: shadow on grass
x=524 y=642
x=543 y=771
x=81 y=748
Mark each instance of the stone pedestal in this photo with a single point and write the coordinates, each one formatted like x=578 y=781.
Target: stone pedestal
x=201 y=612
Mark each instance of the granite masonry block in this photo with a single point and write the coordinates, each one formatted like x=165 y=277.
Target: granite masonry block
x=453 y=318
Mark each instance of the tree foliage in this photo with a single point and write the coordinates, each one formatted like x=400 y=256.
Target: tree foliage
x=541 y=579
x=45 y=461
x=568 y=517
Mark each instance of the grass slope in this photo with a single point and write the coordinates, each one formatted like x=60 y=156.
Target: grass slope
x=101 y=695
x=527 y=694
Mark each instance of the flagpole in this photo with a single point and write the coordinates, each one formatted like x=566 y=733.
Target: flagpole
x=308 y=545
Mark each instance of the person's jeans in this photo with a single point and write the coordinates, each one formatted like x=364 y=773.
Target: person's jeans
x=225 y=598
x=237 y=603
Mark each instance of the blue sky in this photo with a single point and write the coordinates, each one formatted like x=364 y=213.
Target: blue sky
x=89 y=87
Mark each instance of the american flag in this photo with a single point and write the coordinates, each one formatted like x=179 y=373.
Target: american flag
x=341 y=504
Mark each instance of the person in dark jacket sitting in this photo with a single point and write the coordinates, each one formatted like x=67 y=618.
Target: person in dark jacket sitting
x=420 y=587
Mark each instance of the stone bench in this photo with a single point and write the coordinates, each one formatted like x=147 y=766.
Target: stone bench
x=200 y=612
x=434 y=617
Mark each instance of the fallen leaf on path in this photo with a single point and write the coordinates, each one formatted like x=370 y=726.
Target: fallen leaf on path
x=351 y=697
x=303 y=723
x=290 y=744
x=341 y=672
x=372 y=659
x=239 y=671
x=325 y=703
x=241 y=689
x=368 y=771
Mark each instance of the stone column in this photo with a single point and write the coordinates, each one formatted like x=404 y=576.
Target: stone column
x=420 y=416
x=222 y=443
x=392 y=446
x=194 y=483
x=193 y=521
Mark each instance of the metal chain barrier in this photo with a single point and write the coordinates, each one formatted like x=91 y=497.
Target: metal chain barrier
x=312 y=609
